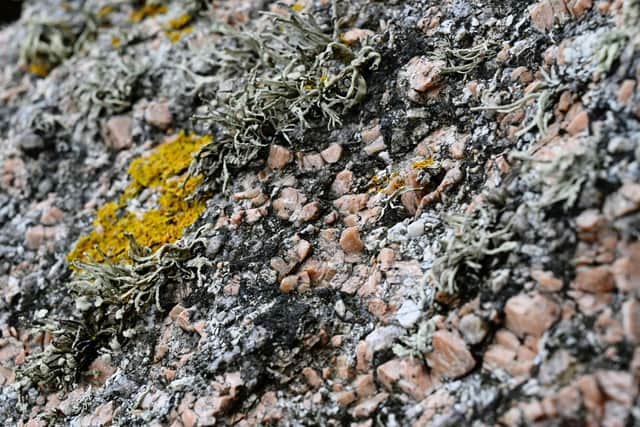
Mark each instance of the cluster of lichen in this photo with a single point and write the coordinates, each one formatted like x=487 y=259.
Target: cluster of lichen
x=51 y=41
x=540 y=96
x=391 y=181
x=163 y=171
x=110 y=299
x=464 y=60
x=476 y=242
x=288 y=77
x=111 y=87
x=126 y=261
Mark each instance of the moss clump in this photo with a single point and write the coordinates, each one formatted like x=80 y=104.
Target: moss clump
x=163 y=171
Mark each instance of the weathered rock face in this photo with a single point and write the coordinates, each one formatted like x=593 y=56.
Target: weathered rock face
x=445 y=232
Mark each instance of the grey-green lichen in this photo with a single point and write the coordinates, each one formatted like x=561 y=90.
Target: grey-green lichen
x=110 y=298
x=111 y=86
x=474 y=240
x=542 y=93
x=273 y=84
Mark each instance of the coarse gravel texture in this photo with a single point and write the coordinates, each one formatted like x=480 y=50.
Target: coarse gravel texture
x=461 y=249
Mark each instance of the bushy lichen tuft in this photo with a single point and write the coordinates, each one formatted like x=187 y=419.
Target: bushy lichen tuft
x=274 y=84
x=110 y=298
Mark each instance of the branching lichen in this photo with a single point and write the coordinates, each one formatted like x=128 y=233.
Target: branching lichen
x=50 y=41
x=110 y=88
x=469 y=246
x=274 y=84
x=465 y=60
x=563 y=177
x=542 y=93
x=110 y=298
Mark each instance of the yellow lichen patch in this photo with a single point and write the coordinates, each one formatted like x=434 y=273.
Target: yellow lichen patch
x=174 y=36
x=163 y=171
x=38 y=69
x=422 y=164
x=179 y=22
x=104 y=11
x=148 y=10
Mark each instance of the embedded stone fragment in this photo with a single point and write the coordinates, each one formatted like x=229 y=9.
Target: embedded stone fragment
x=592 y=397
x=290 y=201
x=350 y=240
x=618 y=385
x=631 y=319
x=281 y=266
x=302 y=250
x=311 y=162
x=472 y=328
x=344 y=398
x=546 y=13
x=367 y=407
x=579 y=123
x=371 y=134
x=279 y=157
x=355 y=34
x=100 y=370
x=310 y=212
x=378 y=340
x=254 y=215
x=312 y=377
x=351 y=203
x=450 y=357
x=332 y=153
x=579 y=7
x=51 y=216
x=424 y=74
x=157 y=114
x=626 y=91
x=408 y=374
x=547 y=281
x=530 y=314
x=342 y=183
x=364 y=386
x=375 y=147
x=589 y=220
x=117 y=132
x=594 y=279
x=451 y=179
x=289 y=284
x=386 y=258
x=37 y=235
x=623 y=202
x=626 y=270
x=102 y=416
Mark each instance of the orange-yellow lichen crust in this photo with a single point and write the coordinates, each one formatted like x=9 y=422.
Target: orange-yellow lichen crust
x=163 y=170
x=148 y=10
